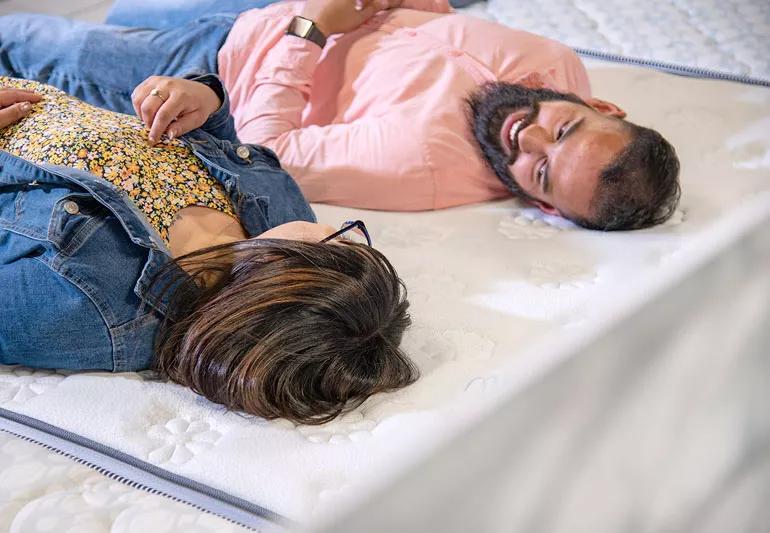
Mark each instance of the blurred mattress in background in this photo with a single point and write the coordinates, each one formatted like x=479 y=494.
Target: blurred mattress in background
x=727 y=39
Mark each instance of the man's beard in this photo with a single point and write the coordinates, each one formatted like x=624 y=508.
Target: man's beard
x=490 y=106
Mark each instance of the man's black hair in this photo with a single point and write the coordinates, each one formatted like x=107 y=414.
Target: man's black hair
x=639 y=188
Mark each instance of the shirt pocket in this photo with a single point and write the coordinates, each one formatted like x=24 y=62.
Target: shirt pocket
x=26 y=208
x=74 y=218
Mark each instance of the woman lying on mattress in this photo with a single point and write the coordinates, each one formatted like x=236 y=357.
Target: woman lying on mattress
x=198 y=257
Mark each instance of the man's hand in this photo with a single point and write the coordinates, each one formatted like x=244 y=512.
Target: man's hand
x=173 y=105
x=341 y=16
x=15 y=104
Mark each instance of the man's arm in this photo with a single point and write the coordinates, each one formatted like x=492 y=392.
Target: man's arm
x=371 y=163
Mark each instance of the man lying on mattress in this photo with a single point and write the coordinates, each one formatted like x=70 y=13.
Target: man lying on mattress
x=402 y=109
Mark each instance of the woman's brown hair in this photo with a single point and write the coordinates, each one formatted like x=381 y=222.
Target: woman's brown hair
x=287 y=329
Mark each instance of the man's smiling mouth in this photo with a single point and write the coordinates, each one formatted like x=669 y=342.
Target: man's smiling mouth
x=511 y=128
x=514 y=132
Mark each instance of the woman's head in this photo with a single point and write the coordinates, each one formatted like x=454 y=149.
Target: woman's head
x=289 y=329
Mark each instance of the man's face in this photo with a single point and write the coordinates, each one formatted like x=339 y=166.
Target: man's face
x=553 y=145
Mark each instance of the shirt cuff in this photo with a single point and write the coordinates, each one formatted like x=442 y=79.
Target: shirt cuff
x=220 y=123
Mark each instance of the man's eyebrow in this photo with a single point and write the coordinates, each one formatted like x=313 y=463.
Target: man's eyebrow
x=573 y=128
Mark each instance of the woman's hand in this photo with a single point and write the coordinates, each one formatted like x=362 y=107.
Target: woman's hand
x=15 y=104
x=341 y=16
x=173 y=106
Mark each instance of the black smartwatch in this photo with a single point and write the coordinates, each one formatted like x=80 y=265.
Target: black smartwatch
x=306 y=29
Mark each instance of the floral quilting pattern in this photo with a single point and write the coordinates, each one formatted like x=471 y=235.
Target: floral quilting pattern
x=561 y=275
x=525 y=226
x=20 y=384
x=179 y=440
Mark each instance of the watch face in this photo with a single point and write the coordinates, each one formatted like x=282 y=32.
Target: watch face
x=301 y=26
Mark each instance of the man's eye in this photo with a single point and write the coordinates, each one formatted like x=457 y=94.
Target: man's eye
x=561 y=132
x=541 y=172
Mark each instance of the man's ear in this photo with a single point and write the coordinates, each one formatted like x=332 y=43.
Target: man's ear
x=546 y=208
x=606 y=108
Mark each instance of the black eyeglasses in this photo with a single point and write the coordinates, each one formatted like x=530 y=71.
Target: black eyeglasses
x=352 y=230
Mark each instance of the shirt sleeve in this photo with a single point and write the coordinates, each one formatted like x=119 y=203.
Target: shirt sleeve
x=220 y=124
x=433 y=6
x=350 y=164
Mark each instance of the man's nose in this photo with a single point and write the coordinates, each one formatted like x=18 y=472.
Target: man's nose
x=533 y=138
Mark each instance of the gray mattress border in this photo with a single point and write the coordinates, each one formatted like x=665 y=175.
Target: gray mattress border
x=673 y=68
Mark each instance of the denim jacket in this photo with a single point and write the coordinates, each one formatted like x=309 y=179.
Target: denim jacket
x=77 y=258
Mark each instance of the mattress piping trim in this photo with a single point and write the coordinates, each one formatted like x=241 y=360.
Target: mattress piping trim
x=673 y=68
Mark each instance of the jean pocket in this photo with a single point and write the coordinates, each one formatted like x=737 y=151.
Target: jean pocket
x=74 y=218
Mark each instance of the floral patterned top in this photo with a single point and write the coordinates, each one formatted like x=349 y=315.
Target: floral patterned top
x=161 y=180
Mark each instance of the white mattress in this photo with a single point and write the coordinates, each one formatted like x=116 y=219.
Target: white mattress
x=42 y=491
x=729 y=36
x=485 y=281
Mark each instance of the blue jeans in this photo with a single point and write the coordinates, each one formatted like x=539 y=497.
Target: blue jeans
x=162 y=14
x=101 y=63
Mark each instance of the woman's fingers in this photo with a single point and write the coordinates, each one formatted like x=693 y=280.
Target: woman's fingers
x=13 y=113
x=186 y=123
x=149 y=109
x=157 y=105
x=164 y=116
x=148 y=96
x=139 y=94
x=9 y=97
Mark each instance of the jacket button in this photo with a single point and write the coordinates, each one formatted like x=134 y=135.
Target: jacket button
x=243 y=152
x=71 y=207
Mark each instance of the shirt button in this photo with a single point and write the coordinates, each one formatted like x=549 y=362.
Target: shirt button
x=455 y=53
x=243 y=152
x=71 y=207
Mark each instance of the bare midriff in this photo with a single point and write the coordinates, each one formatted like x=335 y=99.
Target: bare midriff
x=197 y=227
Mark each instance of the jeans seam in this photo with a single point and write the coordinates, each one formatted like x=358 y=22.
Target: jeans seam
x=78 y=284
x=24 y=231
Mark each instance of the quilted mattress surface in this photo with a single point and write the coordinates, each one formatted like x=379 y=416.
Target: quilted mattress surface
x=42 y=491
x=484 y=281
x=730 y=36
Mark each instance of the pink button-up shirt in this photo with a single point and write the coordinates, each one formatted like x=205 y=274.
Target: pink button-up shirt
x=377 y=119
